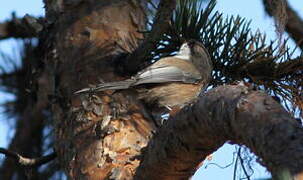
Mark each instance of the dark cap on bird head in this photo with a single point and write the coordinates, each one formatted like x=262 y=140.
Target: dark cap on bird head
x=200 y=57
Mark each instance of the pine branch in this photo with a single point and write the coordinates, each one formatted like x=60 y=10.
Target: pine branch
x=26 y=27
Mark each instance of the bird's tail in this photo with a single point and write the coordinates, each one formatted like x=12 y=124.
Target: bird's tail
x=109 y=86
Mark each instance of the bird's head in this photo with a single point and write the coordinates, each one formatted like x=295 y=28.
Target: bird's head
x=184 y=52
x=196 y=48
x=192 y=48
x=198 y=54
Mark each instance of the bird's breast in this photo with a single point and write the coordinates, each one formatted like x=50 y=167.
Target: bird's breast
x=171 y=94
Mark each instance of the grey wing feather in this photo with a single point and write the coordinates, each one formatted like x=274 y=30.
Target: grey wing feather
x=160 y=74
x=165 y=74
x=109 y=86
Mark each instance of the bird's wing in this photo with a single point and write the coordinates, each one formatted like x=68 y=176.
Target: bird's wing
x=165 y=73
x=109 y=85
x=160 y=72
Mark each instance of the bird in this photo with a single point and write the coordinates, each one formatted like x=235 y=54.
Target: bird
x=171 y=82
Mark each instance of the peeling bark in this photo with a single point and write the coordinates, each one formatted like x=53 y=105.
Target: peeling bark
x=225 y=114
x=97 y=136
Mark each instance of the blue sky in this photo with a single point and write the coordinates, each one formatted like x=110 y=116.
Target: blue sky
x=250 y=9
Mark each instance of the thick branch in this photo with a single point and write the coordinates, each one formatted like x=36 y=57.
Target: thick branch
x=26 y=27
x=29 y=162
x=293 y=24
x=161 y=24
x=227 y=113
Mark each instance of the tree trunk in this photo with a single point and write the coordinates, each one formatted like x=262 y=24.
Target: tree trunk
x=100 y=136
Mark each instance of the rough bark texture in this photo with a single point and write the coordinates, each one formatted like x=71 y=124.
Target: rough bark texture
x=227 y=113
x=97 y=136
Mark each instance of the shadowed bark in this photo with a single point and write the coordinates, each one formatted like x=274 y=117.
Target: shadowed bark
x=97 y=136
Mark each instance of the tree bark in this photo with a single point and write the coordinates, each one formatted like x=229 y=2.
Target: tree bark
x=97 y=136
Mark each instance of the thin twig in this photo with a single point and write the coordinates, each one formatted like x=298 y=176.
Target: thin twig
x=29 y=162
x=236 y=166
x=242 y=164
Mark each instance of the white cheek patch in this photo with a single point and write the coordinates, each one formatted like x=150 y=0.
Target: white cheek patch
x=184 y=52
x=184 y=46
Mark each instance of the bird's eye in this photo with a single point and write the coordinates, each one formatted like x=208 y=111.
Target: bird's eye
x=191 y=44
